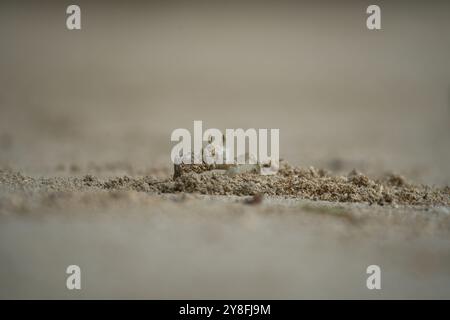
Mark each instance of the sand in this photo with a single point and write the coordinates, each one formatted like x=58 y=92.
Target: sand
x=85 y=172
x=152 y=237
x=289 y=182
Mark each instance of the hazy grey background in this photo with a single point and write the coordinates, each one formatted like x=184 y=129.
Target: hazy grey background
x=104 y=100
x=115 y=90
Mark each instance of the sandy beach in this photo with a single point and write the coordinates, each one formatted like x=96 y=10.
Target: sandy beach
x=86 y=177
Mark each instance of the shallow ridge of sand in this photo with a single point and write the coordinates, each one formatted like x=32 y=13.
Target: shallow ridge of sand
x=293 y=182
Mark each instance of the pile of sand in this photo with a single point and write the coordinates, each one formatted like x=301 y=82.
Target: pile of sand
x=290 y=181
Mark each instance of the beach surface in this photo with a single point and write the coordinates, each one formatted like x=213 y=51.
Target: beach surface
x=86 y=176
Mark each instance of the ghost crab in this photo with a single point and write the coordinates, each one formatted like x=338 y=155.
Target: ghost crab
x=211 y=159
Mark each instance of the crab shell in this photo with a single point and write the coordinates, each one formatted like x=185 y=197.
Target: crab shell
x=215 y=154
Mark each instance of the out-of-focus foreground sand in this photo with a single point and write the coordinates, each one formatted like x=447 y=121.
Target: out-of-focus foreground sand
x=104 y=101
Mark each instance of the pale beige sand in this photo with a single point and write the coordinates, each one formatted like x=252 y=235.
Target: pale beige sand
x=104 y=101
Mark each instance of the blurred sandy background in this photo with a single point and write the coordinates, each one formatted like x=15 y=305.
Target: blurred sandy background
x=104 y=100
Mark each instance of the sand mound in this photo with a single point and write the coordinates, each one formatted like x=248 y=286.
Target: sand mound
x=290 y=181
